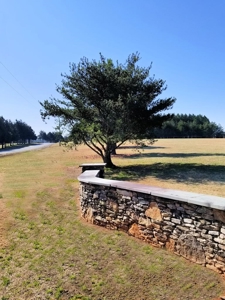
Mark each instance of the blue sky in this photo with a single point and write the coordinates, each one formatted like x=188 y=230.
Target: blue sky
x=184 y=39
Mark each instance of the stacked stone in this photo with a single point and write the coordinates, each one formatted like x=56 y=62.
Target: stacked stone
x=194 y=232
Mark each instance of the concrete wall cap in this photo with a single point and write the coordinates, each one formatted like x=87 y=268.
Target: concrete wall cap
x=90 y=177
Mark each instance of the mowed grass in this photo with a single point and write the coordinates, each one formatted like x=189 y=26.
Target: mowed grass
x=195 y=165
x=48 y=252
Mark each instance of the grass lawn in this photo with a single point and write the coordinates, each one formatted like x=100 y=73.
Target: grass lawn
x=48 y=252
x=195 y=165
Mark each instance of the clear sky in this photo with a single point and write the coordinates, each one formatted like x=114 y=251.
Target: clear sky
x=184 y=39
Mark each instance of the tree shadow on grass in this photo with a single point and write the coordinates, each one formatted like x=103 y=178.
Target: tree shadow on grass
x=179 y=172
x=172 y=155
x=141 y=148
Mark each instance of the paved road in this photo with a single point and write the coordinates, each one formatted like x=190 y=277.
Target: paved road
x=24 y=149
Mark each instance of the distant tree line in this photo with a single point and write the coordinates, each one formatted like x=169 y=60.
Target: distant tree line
x=52 y=137
x=15 y=132
x=189 y=126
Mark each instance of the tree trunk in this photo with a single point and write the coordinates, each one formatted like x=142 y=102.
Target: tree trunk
x=107 y=159
x=113 y=149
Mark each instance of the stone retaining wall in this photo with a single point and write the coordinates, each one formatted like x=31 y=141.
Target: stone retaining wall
x=194 y=231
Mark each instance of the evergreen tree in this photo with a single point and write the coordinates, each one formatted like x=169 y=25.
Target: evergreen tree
x=192 y=126
x=105 y=104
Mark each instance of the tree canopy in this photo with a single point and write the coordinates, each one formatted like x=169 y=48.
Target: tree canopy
x=15 y=132
x=105 y=104
x=192 y=126
x=52 y=137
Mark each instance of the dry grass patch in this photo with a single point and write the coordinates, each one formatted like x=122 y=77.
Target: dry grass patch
x=195 y=165
x=52 y=254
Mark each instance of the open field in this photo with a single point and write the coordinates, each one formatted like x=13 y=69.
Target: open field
x=194 y=165
x=48 y=252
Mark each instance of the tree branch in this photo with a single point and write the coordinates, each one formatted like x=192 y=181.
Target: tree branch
x=97 y=138
x=95 y=146
x=93 y=149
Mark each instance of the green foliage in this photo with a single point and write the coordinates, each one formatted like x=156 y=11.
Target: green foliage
x=105 y=104
x=19 y=215
x=20 y=194
x=80 y=297
x=58 y=292
x=25 y=132
x=18 y=132
x=5 y=281
x=52 y=137
x=182 y=125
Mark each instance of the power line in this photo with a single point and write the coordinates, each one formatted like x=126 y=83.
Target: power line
x=18 y=81
x=11 y=87
x=16 y=90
